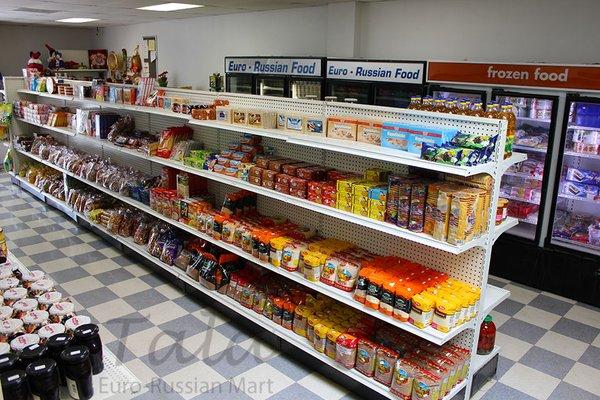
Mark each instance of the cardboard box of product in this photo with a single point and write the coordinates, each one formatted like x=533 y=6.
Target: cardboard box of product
x=410 y=138
x=369 y=131
x=341 y=128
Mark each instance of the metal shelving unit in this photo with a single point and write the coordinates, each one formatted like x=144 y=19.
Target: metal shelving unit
x=469 y=263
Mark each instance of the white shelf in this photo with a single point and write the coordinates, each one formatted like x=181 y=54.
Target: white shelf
x=577 y=198
x=524 y=176
x=60 y=129
x=493 y=296
x=535 y=120
x=509 y=223
x=509 y=197
x=528 y=148
x=48 y=198
x=341 y=146
x=80 y=70
x=582 y=155
x=479 y=360
x=584 y=128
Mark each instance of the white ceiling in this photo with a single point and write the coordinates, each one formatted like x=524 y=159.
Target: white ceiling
x=124 y=12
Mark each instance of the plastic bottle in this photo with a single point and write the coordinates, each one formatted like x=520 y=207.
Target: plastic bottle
x=427 y=103
x=439 y=106
x=464 y=108
x=492 y=111
x=415 y=103
x=487 y=336
x=508 y=114
x=452 y=106
x=477 y=110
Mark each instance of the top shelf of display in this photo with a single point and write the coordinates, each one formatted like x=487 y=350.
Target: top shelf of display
x=294 y=121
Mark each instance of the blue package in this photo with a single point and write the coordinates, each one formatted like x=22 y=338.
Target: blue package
x=410 y=138
x=584 y=176
x=378 y=193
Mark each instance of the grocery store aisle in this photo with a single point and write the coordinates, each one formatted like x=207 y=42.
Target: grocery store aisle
x=179 y=346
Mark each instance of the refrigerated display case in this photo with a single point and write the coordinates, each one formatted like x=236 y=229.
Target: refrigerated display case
x=382 y=83
x=446 y=93
x=298 y=77
x=576 y=206
x=525 y=184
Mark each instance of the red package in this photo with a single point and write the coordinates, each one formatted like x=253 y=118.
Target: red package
x=269 y=175
x=276 y=165
x=268 y=184
x=301 y=193
x=298 y=183
x=291 y=169
x=283 y=178
x=256 y=171
x=251 y=139
x=282 y=187
x=263 y=161
x=255 y=180
x=241 y=156
x=311 y=173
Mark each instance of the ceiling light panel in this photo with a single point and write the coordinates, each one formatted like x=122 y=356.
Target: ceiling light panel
x=170 y=7
x=77 y=20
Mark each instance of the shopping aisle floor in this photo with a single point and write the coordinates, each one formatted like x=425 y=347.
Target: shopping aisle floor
x=550 y=345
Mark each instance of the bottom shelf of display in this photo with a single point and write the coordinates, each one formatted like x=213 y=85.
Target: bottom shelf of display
x=480 y=360
x=575 y=245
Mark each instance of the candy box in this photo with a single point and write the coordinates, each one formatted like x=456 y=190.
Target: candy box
x=239 y=117
x=223 y=114
x=584 y=176
x=280 y=121
x=369 y=131
x=341 y=128
x=418 y=198
x=580 y=190
x=378 y=193
x=294 y=123
x=262 y=119
x=410 y=138
x=315 y=126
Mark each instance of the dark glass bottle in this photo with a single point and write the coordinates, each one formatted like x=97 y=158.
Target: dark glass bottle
x=8 y=362
x=56 y=344
x=32 y=353
x=42 y=376
x=14 y=385
x=78 y=372
x=88 y=335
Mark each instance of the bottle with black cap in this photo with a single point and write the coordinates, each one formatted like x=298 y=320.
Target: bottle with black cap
x=43 y=379
x=14 y=385
x=78 y=372
x=88 y=335
x=32 y=353
x=56 y=344
x=8 y=362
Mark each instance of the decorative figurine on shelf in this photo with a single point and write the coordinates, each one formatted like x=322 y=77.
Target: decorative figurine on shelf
x=216 y=82
x=135 y=67
x=34 y=64
x=162 y=79
x=55 y=60
x=97 y=58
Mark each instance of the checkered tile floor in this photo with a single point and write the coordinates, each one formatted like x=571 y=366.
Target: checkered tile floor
x=178 y=347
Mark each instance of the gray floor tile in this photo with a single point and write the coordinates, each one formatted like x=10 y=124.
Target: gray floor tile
x=501 y=391
x=289 y=367
x=159 y=390
x=123 y=261
x=295 y=392
x=227 y=390
x=18 y=207
x=551 y=304
x=88 y=258
x=17 y=251
x=128 y=325
x=114 y=276
x=47 y=256
x=66 y=241
x=565 y=391
x=51 y=227
x=99 y=244
x=15 y=227
x=32 y=217
x=547 y=362
x=26 y=241
x=522 y=330
x=504 y=364
x=509 y=307
x=145 y=299
x=169 y=359
x=154 y=280
x=95 y=297
x=576 y=330
x=234 y=333
x=68 y=275
x=184 y=327
x=121 y=351
x=496 y=282
x=232 y=362
x=189 y=303
x=591 y=357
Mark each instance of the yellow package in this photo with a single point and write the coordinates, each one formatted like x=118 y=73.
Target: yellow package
x=480 y=210
x=362 y=188
x=430 y=206
x=345 y=185
x=360 y=210
x=321 y=331
x=276 y=254
x=443 y=317
x=421 y=313
x=376 y=175
x=330 y=345
x=360 y=201
x=441 y=213
x=462 y=217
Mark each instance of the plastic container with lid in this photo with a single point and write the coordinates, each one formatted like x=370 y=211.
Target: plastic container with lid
x=22 y=341
x=8 y=283
x=10 y=329
x=487 y=336
x=11 y=296
x=14 y=385
x=47 y=331
x=34 y=320
x=346 y=346
x=78 y=372
x=43 y=379
x=89 y=336
x=23 y=306
x=75 y=322
x=48 y=299
x=32 y=276
x=41 y=286
x=32 y=353
x=56 y=345
x=62 y=311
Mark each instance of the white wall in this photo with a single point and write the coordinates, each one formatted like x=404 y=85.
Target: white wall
x=18 y=40
x=482 y=30
x=192 y=49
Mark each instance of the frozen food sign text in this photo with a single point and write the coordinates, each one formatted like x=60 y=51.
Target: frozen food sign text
x=376 y=71
x=274 y=66
x=538 y=74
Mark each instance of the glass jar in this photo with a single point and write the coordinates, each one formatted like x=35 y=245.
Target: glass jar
x=78 y=372
x=56 y=345
x=43 y=379
x=89 y=336
x=14 y=385
x=487 y=336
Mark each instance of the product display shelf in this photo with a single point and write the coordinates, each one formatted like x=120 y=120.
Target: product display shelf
x=577 y=198
x=534 y=120
x=81 y=70
x=528 y=148
x=575 y=245
x=584 y=128
x=429 y=333
x=480 y=360
x=60 y=129
x=517 y=198
x=582 y=155
x=524 y=176
x=280 y=331
x=300 y=202
x=341 y=146
x=48 y=198
x=507 y=224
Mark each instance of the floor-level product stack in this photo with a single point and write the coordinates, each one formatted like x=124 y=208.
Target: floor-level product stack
x=468 y=262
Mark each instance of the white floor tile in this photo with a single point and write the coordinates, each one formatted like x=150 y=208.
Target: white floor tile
x=210 y=317
x=194 y=380
x=137 y=270
x=170 y=291
x=147 y=341
x=325 y=388
x=81 y=285
x=77 y=249
x=535 y=316
x=129 y=287
x=20 y=234
x=563 y=345
x=557 y=297
x=499 y=318
x=141 y=371
x=584 y=315
x=113 y=309
x=263 y=381
x=584 y=377
x=259 y=349
x=98 y=267
x=58 y=265
x=38 y=248
x=207 y=343
x=163 y=312
x=530 y=381
x=520 y=294
x=512 y=348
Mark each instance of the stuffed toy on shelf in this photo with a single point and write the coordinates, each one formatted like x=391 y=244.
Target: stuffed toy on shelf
x=34 y=64
x=55 y=60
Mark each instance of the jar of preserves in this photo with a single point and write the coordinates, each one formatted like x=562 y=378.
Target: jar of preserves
x=487 y=336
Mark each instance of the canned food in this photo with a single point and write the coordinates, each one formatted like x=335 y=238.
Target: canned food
x=47 y=331
x=76 y=322
x=40 y=287
x=10 y=329
x=46 y=300
x=11 y=296
x=61 y=312
x=20 y=342
x=23 y=306
x=32 y=276
x=8 y=283
x=6 y=312
x=34 y=320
